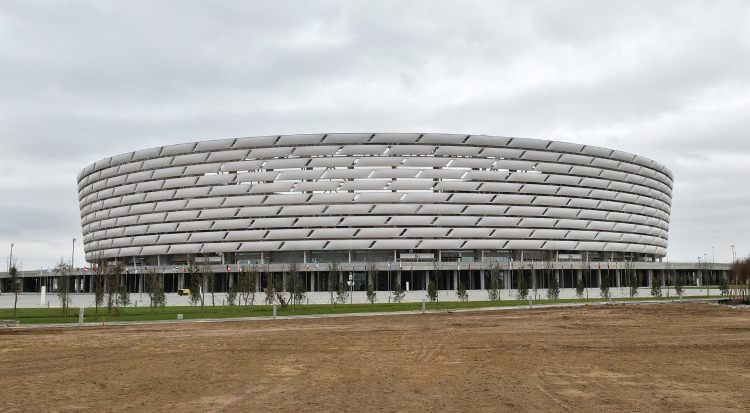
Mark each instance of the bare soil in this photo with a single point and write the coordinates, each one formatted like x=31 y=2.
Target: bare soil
x=664 y=357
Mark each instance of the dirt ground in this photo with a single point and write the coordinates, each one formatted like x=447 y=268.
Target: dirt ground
x=686 y=357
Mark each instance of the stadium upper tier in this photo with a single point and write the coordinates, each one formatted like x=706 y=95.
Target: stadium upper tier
x=373 y=191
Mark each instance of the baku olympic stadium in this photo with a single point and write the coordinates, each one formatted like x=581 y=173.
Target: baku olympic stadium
x=459 y=203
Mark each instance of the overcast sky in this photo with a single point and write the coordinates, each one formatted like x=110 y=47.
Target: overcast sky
x=84 y=80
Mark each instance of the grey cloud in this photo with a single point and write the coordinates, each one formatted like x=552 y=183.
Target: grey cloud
x=88 y=79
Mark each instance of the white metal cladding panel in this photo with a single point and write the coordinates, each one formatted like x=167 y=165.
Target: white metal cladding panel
x=333 y=233
x=260 y=246
x=378 y=232
x=430 y=244
x=348 y=209
x=411 y=184
x=347 y=174
x=245 y=235
x=425 y=197
x=402 y=244
x=509 y=233
x=414 y=150
x=560 y=245
x=404 y=221
x=295 y=140
x=524 y=244
x=306 y=245
x=317 y=186
x=272 y=223
x=231 y=224
x=395 y=173
x=194 y=226
x=380 y=161
x=379 y=197
x=364 y=221
x=395 y=209
x=230 y=190
x=636 y=186
x=288 y=234
x=220 y=247
x=298 y=210
x=470 y=233
x=348 y=244
x=364 y=184
x=424 y=161
x=242 y=200
x=317 y=221
x=441 y=209
x=425 y=232
x=442 y=174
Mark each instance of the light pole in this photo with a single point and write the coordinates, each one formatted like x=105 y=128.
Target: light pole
x=10 y=259
x=72 y=254
x=351 y=288
x=700 y=272
x=389 y=280
x=734 y=254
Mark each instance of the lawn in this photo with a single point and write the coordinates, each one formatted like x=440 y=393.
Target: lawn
x=54 y=315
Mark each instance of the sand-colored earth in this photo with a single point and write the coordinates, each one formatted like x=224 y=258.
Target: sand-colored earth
x=684 y=357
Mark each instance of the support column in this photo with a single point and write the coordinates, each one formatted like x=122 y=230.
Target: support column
x=455 y=279
x=181 y=281
x=507 y=279
x=481 y=279
x=312 y=281
x=426 y=279
x=599 y=278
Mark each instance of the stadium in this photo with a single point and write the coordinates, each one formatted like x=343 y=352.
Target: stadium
x=452 y=204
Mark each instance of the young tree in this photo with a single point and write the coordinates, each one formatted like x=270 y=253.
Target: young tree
x=372 y=275
x=679 y=283
x=112 y=284
x=245 y=286
x=553 y=289
x=342 y=291
x=211 y=287
x=604 y=286
x=586 y=274
x=155 y=288
x=232 y=295
x=99 y=275
x=397 y=292
x=297 y=285
x=723 y=284
x=461 y=292
x=270 y=289
x=123 y=296
x=197 y=294
x=656 y=288
x=634 y=280
x=493 y=288
x=15 y=285
x=523 y=289
x=333 y=280
x=63 y=271
x=553 y=285
x=432 y=291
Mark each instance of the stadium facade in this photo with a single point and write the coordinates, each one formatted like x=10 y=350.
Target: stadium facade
x=389 y=199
